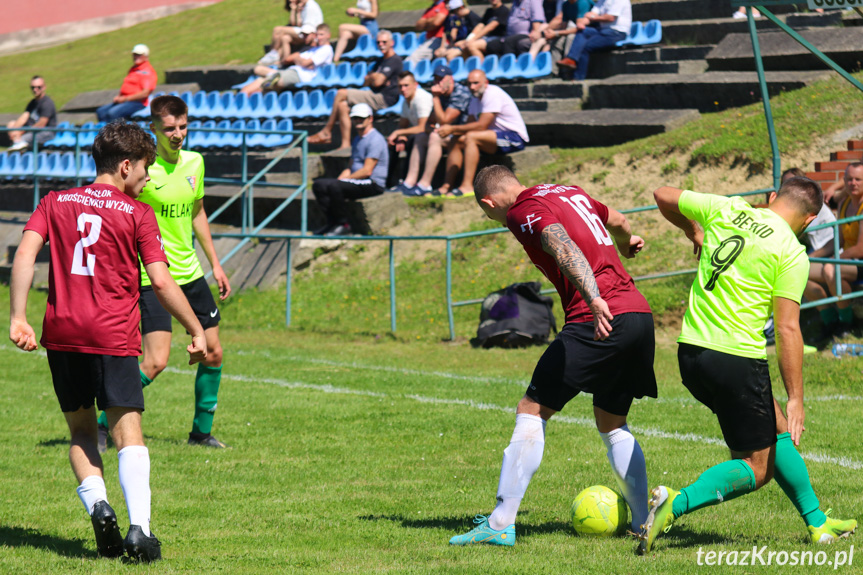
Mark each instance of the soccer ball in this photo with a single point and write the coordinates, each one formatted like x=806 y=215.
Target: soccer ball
x=599 y=511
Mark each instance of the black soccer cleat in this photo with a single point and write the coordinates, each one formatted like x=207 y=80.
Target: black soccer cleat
x=141 y=548
x=205 y=439
x=102 y=439
x=109 y=541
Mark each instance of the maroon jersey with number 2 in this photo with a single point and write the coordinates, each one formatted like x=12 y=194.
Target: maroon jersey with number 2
x=95 y=234
x=584 y=220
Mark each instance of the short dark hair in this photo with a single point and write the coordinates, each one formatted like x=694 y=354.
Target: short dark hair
x=36 y=77
x=492 y=179
x=792 y=173
x=168 y=106
x=854 y=165
x=806 y=194
x=323 y=26
x=407 y=73
x=121 y=140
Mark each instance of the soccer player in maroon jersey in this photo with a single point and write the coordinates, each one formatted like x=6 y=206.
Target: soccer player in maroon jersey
x=605 y=348
x=96 y=234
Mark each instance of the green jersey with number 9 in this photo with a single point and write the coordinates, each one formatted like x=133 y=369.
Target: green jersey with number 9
x=749 y=256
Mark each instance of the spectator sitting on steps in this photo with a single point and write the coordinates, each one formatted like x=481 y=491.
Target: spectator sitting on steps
x=458 y=25
x=526 y=18
x=302 y=66
x=606 y=24
x=495 y=126
x=136 y=89
x=492 y=25
x=39 y=113
x=366 y=177
x=431 y=22
x=367 y=12
x=304 y=18
x=415 y=114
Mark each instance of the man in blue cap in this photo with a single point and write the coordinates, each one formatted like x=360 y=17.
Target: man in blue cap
x=450 y=101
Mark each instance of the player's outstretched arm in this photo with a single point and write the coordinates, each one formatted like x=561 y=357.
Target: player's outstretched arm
x=172 y=299
x=572 y=263
x=668 y=200
x=20 y=332
x=789 y=351
x=202 y=232
x=618 y=226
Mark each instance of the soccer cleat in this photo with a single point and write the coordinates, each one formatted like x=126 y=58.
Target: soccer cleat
x=109 y=541
x=102 y=439
x=206 y=440
x=139 y=547
x=272 y=82
x=483 y=533
x=659 y=518
x=832 y=530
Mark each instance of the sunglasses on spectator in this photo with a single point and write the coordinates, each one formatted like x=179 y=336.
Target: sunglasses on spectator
x=383 y=41
x=39 y=87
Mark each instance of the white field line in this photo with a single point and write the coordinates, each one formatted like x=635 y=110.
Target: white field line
x=818 y=457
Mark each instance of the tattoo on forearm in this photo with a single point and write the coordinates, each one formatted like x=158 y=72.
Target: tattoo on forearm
x=570 y=260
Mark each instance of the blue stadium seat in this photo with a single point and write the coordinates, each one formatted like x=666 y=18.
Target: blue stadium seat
x=651 y=33
x=250 y=138
x=540 y=66
x=143 y=112
x=317 y=105
x=489 y=66
x=274 y=140
x=322 y=76
x=24 y=166
x=357 y=76
x=198 y=105
x=396 y=108
x=4 y=164
x=360 y=49
x=408 y=67
x=63 y=167
x=269 y=105
x=470 y=65
x=634 y=31
x=45 y=162
x=257 y=110
x=200 y=138
x=195 y=137
x=245 y=82
x=12 y=161
x=301 y=105
x=423 y=71
x=241 y=103
x=63 y=138
x=330 y=98
x=405 y=44
x=235 y=139
x=505 y=68
x=421 y=38
x=258 y=140
x=457 y=67
x=86 y=137
x=285 y=106
x=340 y=78
x=214 y=139
x=88 y=167
x=522 y=66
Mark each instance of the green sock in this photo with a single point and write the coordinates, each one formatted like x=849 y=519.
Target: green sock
x=829 y=315
x=206 y=392
x=145 y=381
x=846 y=314
x=793 y=478
x=720 y=483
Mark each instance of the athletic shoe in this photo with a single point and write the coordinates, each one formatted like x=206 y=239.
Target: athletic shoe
x=271 y=83
x=109 y=541
x=483 y=533
x=139 y=547
x=832 y=530
x=567 y=63
x=102 y=439
x=271 y=58
x=19 y=145
x=340 y=230
x=659 y=518
x=206 y=440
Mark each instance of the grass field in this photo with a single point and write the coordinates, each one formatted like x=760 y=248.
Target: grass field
x=360 y=454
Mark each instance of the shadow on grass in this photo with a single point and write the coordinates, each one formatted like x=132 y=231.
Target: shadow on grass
x=23 y=537
x=463 y=524
x=54 y=442
x=681 y=537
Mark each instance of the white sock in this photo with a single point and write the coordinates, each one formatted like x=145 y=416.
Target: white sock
x=520 y=461
x=627 y=462
x=135 y=480
x=91 y=491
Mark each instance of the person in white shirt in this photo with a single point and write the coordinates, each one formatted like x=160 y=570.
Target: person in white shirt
x=302 y=66
x=416 y=110
x=606 y=24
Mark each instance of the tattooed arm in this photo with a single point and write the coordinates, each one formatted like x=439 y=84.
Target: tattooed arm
x=572 y=263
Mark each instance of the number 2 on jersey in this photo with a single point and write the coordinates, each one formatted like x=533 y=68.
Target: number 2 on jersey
x=78 y=265
x=722 y=261
x=594 y=223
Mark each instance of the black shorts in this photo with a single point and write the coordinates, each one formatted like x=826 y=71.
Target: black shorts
x=737 y=389
x=113 y=381
x=516 y=44
x=156 y=318
x=614 y=371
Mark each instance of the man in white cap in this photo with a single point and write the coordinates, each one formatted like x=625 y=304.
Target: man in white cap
x=136 y=89
x=365 y=178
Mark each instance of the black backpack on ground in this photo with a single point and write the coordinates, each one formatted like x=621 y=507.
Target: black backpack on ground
x=516 y=316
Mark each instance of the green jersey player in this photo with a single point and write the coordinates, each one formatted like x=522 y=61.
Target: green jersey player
x=176 y=194
x=751 y=264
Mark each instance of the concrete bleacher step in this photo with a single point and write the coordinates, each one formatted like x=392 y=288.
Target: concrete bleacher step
x=781 y=52
x=210 y=77
x=714 y=30
x=551 y=105
x=89 y=101
x=707 y=92
x=668 y=67
x=589 y=128
x=668 y=10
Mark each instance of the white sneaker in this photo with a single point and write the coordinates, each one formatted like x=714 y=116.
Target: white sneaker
x=271 y=58
x=19 y=145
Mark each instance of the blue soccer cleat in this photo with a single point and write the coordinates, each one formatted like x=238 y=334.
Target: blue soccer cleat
x=483 y=533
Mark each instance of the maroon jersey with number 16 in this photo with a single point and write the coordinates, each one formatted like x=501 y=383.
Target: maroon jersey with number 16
x=584 y=220
x=95 y=234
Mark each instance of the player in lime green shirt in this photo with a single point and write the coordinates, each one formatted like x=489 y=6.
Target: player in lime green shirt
x=176 y=194
x=751 y=264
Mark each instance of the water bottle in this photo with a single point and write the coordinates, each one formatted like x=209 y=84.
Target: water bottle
x=840 y=349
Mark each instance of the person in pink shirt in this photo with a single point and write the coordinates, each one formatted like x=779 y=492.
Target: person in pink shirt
x=136 y=89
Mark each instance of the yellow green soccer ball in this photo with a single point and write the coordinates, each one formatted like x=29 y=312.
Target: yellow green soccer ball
x=600 y=512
